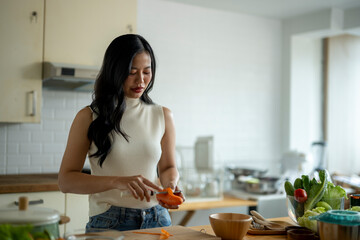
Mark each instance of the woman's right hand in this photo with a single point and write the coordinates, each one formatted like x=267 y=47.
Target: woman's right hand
x=139 y=186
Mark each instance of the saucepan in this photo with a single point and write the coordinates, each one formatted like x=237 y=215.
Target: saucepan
x=263 y=185
x=34 y=220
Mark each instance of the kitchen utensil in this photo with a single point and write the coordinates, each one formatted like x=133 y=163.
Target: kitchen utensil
x=238 y=171
x=42 y=219
x=301 y=234
x=231 y=226
x=354 y=200
x=266 y=223
x=338 y=224
x=127 y=193
x=264 y=185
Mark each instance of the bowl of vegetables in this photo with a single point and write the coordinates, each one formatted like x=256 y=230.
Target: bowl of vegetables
x=310 y=197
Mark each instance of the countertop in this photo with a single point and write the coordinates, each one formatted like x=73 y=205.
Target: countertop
x=180 y=233
x=28 y=183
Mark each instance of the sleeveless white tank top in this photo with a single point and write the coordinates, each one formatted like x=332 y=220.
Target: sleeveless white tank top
x=145 y=126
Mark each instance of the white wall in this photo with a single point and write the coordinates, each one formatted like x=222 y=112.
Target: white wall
x=219 y=73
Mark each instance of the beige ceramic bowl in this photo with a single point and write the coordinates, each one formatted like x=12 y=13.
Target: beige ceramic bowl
x=230 y=226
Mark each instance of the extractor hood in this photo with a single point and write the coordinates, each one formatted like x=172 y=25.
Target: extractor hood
x=59 y=76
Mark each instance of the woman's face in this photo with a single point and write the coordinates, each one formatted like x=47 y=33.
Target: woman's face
x=139 y=77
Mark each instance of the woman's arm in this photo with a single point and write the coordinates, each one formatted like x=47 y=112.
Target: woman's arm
x=72 y=180
x=168 y=173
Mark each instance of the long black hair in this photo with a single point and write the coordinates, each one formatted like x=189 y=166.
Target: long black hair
x=109 y=98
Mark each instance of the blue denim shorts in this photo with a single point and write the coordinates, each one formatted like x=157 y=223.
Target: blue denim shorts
x=123 y=219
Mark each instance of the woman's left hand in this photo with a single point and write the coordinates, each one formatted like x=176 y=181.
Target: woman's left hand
x=177 y=194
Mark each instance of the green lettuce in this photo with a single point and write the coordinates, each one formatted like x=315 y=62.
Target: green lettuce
x=316 y=191
x=355 y=208
x=304 y=221
x=333 y=195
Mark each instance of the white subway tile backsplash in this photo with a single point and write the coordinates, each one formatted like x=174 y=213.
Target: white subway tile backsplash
x=13 y=126
x=61 y=137
x=64 y=114
x=28 y=170
x=2 y=133
x=17 y=160
x=42 y=159
x=53 y=125
x=12 y=170
x=46 y=169
x=18 y=136
x=30 y=126
x=30 y=148
x=12 y=148
x=42 y=137
x=54 y=147
x=2 y=160
x=48 y=114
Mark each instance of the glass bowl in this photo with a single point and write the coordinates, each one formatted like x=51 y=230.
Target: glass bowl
x=296 y=209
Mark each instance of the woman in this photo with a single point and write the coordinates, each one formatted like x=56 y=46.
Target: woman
x=130 y=142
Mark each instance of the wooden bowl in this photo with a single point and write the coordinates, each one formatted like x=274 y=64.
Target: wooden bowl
x=230 y=226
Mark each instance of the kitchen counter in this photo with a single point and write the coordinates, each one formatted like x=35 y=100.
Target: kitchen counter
x=28 y=183
x=182 y=233
x=192 y=206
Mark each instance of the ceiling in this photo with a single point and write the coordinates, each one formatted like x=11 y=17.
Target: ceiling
x=277 y=9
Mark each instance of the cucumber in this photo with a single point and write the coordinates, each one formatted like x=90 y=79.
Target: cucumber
x=298 y=183
x=289 y=188
x=324 y=205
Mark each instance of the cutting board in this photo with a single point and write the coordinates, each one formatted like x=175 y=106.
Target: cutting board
x=178 y=232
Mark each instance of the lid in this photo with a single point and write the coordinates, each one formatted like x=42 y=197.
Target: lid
x=341 y=217
x=28 y=215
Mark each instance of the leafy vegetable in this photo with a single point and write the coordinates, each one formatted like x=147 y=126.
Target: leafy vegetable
x=310 y=224
x=317 y=191
x=9 y=232
x=289 y=188
x=333 y=195
x=306 y=182
x=298 y=183
x=355 y=208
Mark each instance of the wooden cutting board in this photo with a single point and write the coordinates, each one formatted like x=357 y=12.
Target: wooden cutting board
x=178 y=232
x=255 y=231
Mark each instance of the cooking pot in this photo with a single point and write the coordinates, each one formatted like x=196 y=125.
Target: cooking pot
x=42 y=220
x=338 y=224
x=263 y=185
x=237 y=171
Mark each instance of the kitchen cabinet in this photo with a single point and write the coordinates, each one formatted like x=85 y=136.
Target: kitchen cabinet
x=54 y=200
x=78 y=32
x=67 y=31
x=21 y=43
x=77 y=208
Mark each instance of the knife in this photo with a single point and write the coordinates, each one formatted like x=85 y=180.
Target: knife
x=127 y=193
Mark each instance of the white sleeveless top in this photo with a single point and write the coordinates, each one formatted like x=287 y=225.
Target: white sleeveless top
x=145 y=126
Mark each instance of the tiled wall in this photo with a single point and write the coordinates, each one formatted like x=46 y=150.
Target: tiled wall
x=37 y=148
x=219 y=73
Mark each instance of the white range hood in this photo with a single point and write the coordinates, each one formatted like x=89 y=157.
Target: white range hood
x=59 y=76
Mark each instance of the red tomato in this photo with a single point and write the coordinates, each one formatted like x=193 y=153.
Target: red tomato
x=300 y=195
